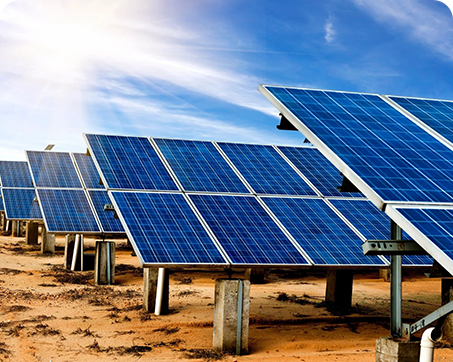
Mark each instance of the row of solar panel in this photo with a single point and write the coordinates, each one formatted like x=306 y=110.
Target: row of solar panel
x=132 y=163
x=398 y=151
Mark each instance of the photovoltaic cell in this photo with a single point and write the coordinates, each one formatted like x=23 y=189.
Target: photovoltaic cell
x=67 y=211
x=435 y=224
x=319 y=171
x=2 y=206
x=246 y=231
x=374 y=225
x=199 y=166
x=129 y=163
x=15 y=174
x=265 y=170
x=53 y=169
x=109 y=224
x=20 y=204
x=165 y=230
x=88 y=171
x=392 y=155
x=436 y=114
x=324 y=236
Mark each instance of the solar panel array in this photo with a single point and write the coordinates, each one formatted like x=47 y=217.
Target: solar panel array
x=18 y=193
x=390 y=148
x=227 y=192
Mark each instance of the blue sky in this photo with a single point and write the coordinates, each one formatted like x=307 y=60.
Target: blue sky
x=191 y=69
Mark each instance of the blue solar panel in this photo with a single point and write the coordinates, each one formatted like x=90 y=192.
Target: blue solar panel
x=2 y=206
x=67 y=211
x=109 y=224
x=393 y=156
x=374 y=225
x=88 y=172
x=165 y=230
x=129 y=163
x=53 y=169
x=15 y=174
x=318 y=170
x=20 y=204
x=436 y=114
x=435 y=225
x=265 y=170
x=199 y=166
x=324 y=236
x=246 y=231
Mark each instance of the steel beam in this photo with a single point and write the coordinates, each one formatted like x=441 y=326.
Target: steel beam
x=396 y=294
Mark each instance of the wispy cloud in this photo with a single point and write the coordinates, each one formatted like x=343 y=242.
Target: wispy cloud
x=424 y=23
x=56 y=54
x=329 y=30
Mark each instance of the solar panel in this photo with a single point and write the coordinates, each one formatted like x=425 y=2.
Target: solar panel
x=89 y=175
x=20 y=204
x=324 y=236
x=15 y=174
x=431 y=227
x=165 y=230
x=2 y=206
x=109 y=224
x=318 y=170
x=246 y=231
x=265 y=170
x=374 y=225
x=67 y=211
x=436 y=114
x=129 y=163
x=199 y=166
x=384 y=153
x=53 y=169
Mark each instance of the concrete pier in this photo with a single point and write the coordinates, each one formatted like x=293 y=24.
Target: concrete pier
x=231 y=333
x=150 y=290
x=47 y=242
x=104 y=267
x=389 y=350
x=447 y=296
x=339 y=289
x=68 y=250
x=32 y=233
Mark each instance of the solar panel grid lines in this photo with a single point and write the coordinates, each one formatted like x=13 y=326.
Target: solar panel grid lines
x=165 y=230
x=431 y=226
x=247 y=233
x=20 y=204
x=67 y=211
x=2 y=205
x=199 y=166
x=235 y=169
x=322 y=232
x=129 y=163
x=265 y=170
x=297 y=170
x=365 y=130
x=433 y=115
x=318 y=170
x=15 y=174
x=373 y=224
x=109 y=224
x=86 y=169
x=51 y=169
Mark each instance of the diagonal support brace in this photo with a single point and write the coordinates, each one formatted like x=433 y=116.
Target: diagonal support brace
x=409 y=329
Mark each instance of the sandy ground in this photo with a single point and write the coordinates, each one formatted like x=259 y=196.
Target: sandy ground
x=50 y=314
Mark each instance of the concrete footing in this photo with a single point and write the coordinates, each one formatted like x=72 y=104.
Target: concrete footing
x=150 y=290
x=2 y=221
x=104 y=266
x=32 y=233
x=255 y=275
x=47 y=242
x=231 y=332
x=389 y=350
x=339 y=289
x=447 y=296
x=384 y=273
x=68 y=250
x=16 y=229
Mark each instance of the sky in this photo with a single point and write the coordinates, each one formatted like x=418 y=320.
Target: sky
x=191 y=69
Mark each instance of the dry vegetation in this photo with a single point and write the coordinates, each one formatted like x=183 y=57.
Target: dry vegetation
x=50 y=313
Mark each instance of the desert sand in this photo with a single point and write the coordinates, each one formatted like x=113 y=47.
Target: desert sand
x=48 y=313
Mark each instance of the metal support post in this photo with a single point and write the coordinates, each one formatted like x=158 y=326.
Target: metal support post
x=396 y=294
